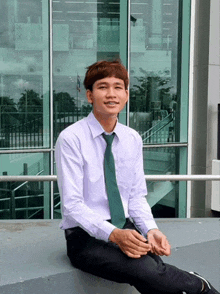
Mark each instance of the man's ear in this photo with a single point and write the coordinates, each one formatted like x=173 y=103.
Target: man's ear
x=127 y=93
x=89 y=96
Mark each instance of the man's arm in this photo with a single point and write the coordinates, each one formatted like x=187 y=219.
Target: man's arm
x=70 y=172
x=140 y=211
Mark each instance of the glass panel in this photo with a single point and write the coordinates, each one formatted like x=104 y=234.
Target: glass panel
x=56 y=199
x=24 y=200
x=165 y=197
x=83 y=32
x=154 y=99
x=57 y=203
x=24 y=74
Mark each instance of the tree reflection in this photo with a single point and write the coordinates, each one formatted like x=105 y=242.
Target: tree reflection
x=150 y=88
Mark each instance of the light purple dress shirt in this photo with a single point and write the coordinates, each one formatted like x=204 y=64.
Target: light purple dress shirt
x=79 y=156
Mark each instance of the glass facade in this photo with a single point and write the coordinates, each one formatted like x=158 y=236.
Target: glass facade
x=23 y=200
x=45 y=47
x=154 y=103
x=24 y=85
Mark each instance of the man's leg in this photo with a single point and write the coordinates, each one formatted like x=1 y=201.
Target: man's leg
x=147 y=274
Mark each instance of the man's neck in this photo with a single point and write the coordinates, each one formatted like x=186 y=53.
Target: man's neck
x=108 y=122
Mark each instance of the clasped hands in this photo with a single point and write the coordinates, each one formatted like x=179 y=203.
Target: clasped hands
x=135 y=245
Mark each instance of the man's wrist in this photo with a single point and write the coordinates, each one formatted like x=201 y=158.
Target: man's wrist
x=112 y=235
x=150 y=231
x=153 y=229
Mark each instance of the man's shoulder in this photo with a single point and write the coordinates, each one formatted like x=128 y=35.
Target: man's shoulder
x=129 y=132
x=75 y=130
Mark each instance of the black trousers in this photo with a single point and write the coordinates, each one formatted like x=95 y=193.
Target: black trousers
x=148 y=274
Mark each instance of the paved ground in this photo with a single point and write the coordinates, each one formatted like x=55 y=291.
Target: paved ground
x=33 y=257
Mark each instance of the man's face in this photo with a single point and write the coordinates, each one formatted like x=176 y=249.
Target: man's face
x=108 y=96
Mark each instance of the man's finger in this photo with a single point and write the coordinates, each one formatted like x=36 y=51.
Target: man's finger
x=139 y=240
x=157 y=250
x=134 y=253
x=164 y=242
x=138 y=236
x=160 y=251
x=141 y=248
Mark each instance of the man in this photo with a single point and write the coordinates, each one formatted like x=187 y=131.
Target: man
x=109 y=227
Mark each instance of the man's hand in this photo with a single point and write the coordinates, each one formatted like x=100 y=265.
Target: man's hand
x=130 y=242
x=159 y=244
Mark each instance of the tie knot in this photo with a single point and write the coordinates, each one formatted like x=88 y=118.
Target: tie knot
x=108 y=138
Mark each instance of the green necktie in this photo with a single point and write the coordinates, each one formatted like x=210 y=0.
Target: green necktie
x=115 y=204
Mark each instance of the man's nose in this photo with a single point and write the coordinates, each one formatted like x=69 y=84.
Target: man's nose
x=111 y=92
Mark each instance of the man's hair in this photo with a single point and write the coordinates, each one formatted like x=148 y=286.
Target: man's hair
x=103 y=69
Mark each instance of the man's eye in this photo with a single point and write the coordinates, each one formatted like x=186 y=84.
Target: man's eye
x=102 y=87
x=118 y=87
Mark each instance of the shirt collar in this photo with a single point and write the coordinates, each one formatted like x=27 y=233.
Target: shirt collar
x=97 y=129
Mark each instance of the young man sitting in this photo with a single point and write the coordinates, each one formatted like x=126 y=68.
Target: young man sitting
x=109 y=227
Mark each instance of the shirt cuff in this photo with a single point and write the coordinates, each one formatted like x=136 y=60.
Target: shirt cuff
x=149 y=225
x=105 y=231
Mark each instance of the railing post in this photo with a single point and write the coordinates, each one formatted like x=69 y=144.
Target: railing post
x=26 y=191
x=12 y=205
x=218 y=146
x=5 y=186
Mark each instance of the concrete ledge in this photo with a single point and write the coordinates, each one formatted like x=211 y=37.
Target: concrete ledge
x=75 y=282
x=33 y=257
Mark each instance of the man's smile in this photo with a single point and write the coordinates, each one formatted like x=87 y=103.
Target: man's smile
x=111 y=103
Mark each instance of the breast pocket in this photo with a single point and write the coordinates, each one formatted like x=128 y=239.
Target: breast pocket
x=94 y=173
x=125 y=172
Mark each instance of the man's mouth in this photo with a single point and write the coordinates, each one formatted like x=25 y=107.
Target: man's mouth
x=111 y=103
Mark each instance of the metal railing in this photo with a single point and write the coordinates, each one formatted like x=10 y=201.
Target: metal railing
x=52 y=178
x=154 y=134
x=147 y=177
x=27 y=130
x=26 y=197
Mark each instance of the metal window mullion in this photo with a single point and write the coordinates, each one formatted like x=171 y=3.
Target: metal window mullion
x=128 y=57
x=51 y=105
x=190 y=116
x=123 y=51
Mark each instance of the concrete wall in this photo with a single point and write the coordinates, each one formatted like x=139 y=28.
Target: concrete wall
x=206 y=96
x=213 y=93
x=200 y=98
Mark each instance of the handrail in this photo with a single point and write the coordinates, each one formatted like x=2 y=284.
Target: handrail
x=182 y=177
x=155 y=126
x=18 y=187
x=27 y=178
x=25 y=150
x=147 y=177
x=157 y=131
